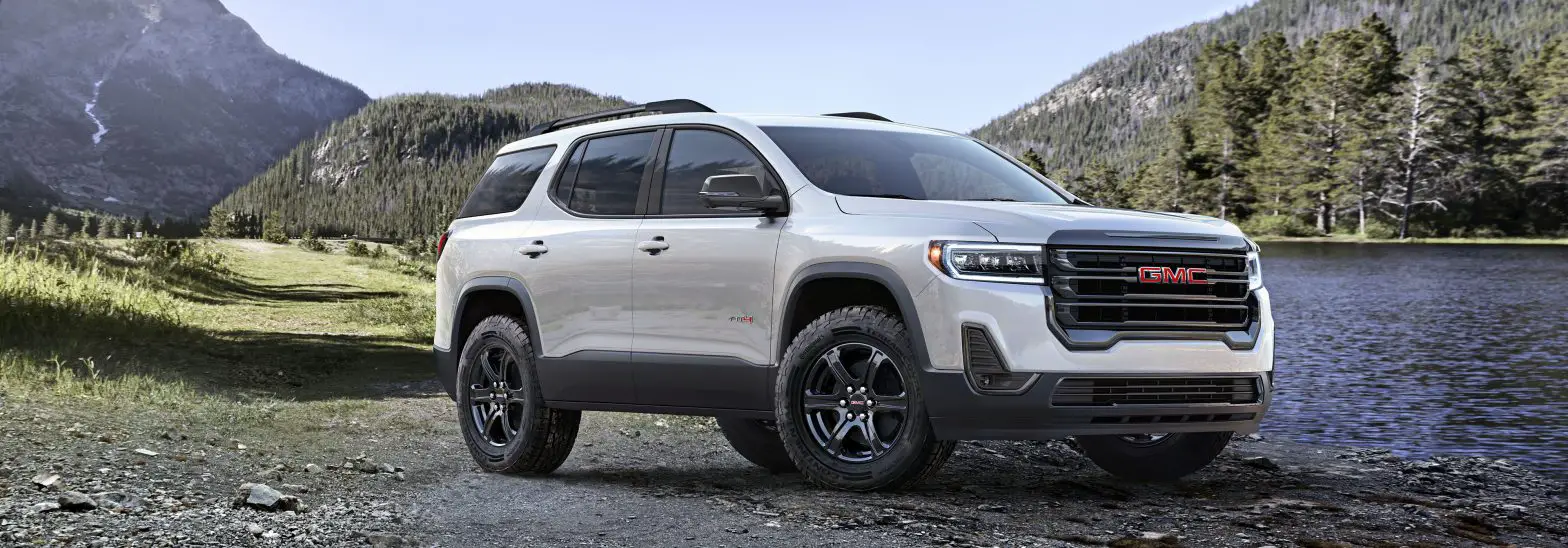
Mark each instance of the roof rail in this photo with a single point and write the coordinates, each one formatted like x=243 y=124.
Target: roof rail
x=860 y=115
x=671 y=106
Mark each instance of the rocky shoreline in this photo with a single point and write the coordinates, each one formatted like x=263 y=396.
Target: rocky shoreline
x=637 y=480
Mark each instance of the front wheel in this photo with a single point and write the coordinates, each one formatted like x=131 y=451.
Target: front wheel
x=1154 y=457
x=848 y=403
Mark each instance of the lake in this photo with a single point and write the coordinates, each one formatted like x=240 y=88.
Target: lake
x=1422 y=349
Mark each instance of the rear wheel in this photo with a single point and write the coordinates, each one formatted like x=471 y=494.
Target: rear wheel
x=1154 y=457
x=849 y=407
x=758 y=441
x=500 y=408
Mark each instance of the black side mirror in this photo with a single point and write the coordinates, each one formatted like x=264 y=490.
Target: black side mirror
x=744 y=191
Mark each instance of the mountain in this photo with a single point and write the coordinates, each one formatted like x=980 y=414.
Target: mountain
x=402 y=166
x=138 y=107
x=1117 y=109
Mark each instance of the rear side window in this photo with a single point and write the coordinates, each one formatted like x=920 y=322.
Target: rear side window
x=506 y=184
x=603 y=178
x=697 y=154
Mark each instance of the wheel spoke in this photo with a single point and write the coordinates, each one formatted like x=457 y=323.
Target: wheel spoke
x=491 y=419
x=491 y=369
x=514 y=395
x=836 y=365
x=895 y=404
x=821 y=402
x=874 y=364
x=836 y=444
x=480 y=394
x=873 y=439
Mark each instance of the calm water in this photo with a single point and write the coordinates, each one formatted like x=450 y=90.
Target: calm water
x=1423 y=349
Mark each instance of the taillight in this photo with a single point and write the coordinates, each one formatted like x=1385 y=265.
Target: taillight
x=441 y=243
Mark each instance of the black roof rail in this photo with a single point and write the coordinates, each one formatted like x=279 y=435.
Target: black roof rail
x=671 y=106
x=860 y=115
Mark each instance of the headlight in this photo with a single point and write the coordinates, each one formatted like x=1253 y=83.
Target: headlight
x=1012 y=263
x=1254 y=271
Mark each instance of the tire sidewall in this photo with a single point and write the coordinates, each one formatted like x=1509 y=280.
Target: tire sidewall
x=914 y=435
x=503 y=331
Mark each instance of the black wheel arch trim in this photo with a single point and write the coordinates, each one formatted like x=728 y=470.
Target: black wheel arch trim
x=447 y=358
x=863 y=271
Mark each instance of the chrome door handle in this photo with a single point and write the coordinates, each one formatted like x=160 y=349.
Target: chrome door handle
x=534 y=250
x=654 y=246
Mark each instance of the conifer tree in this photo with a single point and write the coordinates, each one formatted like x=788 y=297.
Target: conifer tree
x=1545 y=140
x=6 y=226
x=1033 y=160
x=1485 y=108
x=52 y=227
x=1414 y=127
x=1223 y=123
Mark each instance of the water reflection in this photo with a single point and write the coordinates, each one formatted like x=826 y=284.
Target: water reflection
x=1423 y=349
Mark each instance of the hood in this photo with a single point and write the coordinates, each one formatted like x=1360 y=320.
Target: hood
x=1033 y=223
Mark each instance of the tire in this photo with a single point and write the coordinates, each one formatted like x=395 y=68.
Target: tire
x=496 y=372
x=887 y=449
x=1168 y=459
x=758 y=441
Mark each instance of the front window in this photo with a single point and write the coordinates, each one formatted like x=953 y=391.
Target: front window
x=913 y=166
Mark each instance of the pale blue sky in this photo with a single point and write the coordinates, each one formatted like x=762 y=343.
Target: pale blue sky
x=952 y=64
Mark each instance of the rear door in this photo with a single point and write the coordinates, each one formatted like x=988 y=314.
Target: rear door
x=579 y=252
x=702 y=281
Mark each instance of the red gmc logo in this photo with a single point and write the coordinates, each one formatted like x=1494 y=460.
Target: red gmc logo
x=1168 y=275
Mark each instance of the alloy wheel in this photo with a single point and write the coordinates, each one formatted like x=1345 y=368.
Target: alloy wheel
x=496 y=395
x=855 y=402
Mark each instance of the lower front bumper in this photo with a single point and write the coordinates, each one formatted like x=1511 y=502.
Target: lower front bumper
x=958 y=412
x=446 y=370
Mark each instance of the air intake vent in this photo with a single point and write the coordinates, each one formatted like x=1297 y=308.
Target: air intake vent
x=986 y=370
x=1080 y=392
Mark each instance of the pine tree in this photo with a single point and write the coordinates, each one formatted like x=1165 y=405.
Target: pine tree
x=86 y=231
x=6 y=225
x=272 y=229
x=52 y=227
x=1368 y=148
x=1414 y=127
x=1166 y=181
x=1545 y=141
x=1484 y=109
x=32 y=230
x=1223 y=123
x=1032 y=159
x=1102 y=186
x=104 y=232
x=116 y=228
x=221 y=223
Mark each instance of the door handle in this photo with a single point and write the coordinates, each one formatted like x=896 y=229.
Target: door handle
x=534 y=250
x=654 y=246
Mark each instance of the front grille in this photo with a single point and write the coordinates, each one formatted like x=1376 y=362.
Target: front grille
x=1081 y=392
x=1103 y=289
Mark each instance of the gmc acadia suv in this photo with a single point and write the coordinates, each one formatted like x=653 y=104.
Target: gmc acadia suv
x=847 y=295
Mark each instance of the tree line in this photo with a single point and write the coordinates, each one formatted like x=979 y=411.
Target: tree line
x=64 y=223
x=1350 y=133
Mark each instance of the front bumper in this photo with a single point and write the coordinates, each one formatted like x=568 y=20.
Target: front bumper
x=958 y=412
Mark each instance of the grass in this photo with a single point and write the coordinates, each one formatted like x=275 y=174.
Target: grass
x=1361 y=240
x=234 y=332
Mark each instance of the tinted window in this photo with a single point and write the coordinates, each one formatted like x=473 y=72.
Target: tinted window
x=917 y=166
x=608 y=174
x=696 y=155
x=506 y=184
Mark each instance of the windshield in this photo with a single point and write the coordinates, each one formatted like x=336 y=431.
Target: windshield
x=912 y=166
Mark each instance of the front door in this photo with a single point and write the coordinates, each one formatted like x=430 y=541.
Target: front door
x=702 y=282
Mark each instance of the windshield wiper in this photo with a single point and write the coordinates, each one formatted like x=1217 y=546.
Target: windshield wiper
x=894 y=196
x=995 y=200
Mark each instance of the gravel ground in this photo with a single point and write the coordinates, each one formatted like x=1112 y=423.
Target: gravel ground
x=637 y=480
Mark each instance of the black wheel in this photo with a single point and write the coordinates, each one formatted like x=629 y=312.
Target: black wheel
x=849 y=407
x=1154 y=457
x=758 y=441
x=505 y=423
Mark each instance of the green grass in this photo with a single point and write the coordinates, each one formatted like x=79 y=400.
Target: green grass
x=239 y=332
x=1361 y=240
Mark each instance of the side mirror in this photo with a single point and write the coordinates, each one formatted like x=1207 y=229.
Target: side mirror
x=744 y=191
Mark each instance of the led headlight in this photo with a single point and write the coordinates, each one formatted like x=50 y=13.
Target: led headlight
x=1012 y=263
x=1254 y=271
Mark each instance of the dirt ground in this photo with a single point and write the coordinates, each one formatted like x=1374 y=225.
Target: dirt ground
x=640 y=480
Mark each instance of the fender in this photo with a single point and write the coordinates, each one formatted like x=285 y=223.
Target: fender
x=858 y=270
x=446 y=360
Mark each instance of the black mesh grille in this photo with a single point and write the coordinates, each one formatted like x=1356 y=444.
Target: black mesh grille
x=1155 y=391
x=1162 y=290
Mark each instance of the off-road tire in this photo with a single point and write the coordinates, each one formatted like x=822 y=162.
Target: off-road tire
x=1173 y=458
x=758 y=441
x=545 y=436
x=915 y=453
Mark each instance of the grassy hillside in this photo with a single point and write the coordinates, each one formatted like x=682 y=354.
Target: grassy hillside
x=402 y=166
x=1117 y=109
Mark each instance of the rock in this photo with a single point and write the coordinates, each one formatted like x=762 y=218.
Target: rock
x=1513 y=510
x=313 y=468
x=74 y=501
x=366 y=466
x=270 y=535
x=1261 y=463
x=400 y=477
x=44 y=507
x=253 y=529
x=262 y=497
x=106 y=438
x=117 y=500
x=145 y=452
x=47 y=480
x=295 y=488
x=386 y=468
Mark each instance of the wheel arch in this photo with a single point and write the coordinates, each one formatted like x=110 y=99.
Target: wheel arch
x=853 y=272
x=480 y=298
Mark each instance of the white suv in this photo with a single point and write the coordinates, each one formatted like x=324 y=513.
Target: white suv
x=848 y=296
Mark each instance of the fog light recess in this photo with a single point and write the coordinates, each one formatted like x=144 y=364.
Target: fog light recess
x=987 y=372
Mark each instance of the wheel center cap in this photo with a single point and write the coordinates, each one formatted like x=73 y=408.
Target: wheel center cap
x=859 y=403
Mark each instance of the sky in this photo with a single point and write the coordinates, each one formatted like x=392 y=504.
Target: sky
x=952 y=64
